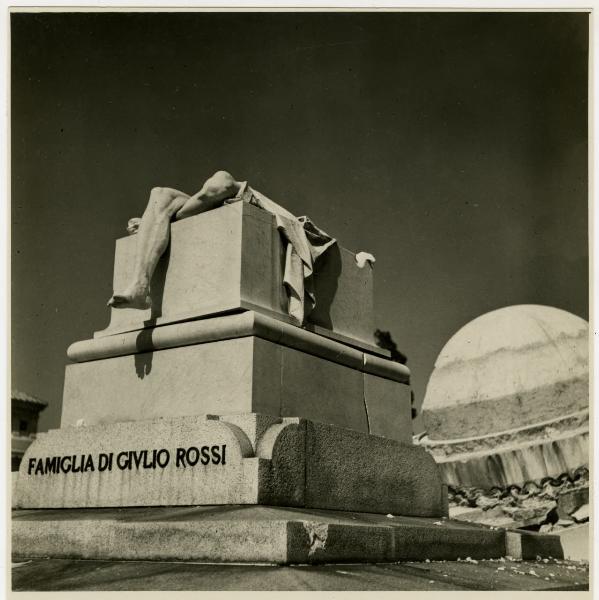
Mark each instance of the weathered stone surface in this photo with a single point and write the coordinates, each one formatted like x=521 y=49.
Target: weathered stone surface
x=192 y=380
x=442 y=541
x=322 y=390
x=505 y=440
x=195 y=460
x=494 y=517
x=575 y=542
x=388 y=407
x=246 y=534
x=344 y=296
x=232 y=258
x=109 y=536
x=346 y=470
x=281 y=449
x=533 y=511
x=526 y=545
x=571 y=500
x=259 y=460
x=320 y=540
x=245 y=374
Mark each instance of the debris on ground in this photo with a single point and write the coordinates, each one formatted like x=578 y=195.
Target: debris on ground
x=545 y=506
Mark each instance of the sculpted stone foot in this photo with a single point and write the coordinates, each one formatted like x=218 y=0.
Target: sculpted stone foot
x=134 y=297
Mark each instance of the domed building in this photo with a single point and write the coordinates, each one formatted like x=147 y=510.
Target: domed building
x=507 y=402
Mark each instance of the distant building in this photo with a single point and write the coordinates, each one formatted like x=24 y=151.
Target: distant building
x=25 y=411
x=508 y=400
x=506 y=413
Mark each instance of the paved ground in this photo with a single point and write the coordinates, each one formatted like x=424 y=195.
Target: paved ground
x=498 y=574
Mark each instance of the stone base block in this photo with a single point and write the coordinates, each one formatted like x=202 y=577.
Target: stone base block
x=241 y=374
x=246 y=534
x=574 y=541
x=527 y=545
x=238 y=459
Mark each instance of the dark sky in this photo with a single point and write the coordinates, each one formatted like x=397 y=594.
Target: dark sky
x=453 y=146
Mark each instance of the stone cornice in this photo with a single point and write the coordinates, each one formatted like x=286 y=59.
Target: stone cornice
x=231 y=326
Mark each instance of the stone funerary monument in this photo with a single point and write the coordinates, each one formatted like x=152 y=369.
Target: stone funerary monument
x=213 y=426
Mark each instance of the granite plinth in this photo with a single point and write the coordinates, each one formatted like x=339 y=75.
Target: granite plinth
x=247 y=534
x=232 y=258
x=238 y=363
x=242 y=459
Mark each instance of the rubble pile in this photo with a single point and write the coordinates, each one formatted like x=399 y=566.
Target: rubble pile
x=548 y=505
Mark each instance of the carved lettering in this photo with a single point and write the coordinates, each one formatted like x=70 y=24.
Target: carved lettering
x=127 y=460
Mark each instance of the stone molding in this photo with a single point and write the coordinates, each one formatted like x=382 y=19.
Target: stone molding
x=236 y=325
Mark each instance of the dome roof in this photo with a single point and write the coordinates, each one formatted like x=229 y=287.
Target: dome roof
x=509 y=368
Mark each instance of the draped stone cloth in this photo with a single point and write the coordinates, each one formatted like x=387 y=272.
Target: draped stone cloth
x=304 y=243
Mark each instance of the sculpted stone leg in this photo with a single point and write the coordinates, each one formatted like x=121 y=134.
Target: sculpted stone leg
x=214 y=192
x=166 y=204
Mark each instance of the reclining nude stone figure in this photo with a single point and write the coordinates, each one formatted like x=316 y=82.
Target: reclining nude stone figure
x=304 y=241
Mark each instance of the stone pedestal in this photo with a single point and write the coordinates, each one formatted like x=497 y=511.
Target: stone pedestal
x=214 y=399
x=238 y=363
x=238 y=459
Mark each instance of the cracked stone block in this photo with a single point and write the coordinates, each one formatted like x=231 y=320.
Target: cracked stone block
x=236 y=375
x=388 y=406
x=322 y=390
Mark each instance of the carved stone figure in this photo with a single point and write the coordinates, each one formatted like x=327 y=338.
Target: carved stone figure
x=305 y=242
x=166 y=204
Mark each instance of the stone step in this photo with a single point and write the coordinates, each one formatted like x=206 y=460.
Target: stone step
x=246 y=534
